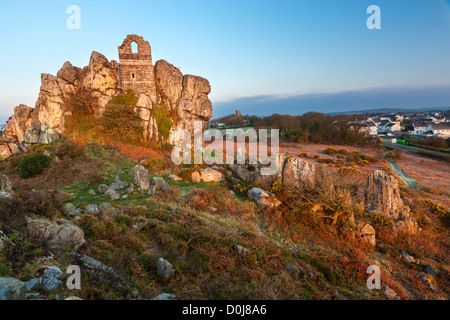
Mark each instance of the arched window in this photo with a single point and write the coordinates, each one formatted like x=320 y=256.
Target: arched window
x=134 y=47
x=133 y=76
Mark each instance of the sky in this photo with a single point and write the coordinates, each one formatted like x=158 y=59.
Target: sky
x=260 y=56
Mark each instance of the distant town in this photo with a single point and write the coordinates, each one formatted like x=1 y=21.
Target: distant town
x=389 y=127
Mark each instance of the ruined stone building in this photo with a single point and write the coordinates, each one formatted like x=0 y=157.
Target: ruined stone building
x=185 y=97
x=136 y=68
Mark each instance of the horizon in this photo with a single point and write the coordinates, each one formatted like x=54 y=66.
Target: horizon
x=301 y=56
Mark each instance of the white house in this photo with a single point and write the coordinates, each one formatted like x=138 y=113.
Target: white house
x=420 y=126
x=441 y=129
x=393 y=127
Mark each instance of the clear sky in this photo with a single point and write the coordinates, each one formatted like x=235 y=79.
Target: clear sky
x=245 y=48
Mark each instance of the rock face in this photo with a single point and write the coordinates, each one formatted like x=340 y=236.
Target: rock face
x=185 y=97
x=55 y=234
x=49 y=280
x=382 y=195
x=295 y=170
x=95 y=84
x=18 y=122
x=12 y=289
x=292 y=171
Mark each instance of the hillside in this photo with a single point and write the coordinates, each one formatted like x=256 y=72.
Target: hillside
x=87 y=183
x=307 y=242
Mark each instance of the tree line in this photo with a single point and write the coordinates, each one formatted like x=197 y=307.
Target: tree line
x=315 y=127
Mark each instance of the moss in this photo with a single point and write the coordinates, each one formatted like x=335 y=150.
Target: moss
x=163 y=121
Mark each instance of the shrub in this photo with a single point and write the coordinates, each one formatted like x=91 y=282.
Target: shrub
x=119 y=120
x=303 y=155
x=329 y=151
x=396 y=154
x=155 y=165
x=33 y=165
x=70 y=150
x=42 y=203
x=357 y=157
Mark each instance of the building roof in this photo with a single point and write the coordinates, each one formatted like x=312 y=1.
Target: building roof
x=440 y=125
x=421 y=124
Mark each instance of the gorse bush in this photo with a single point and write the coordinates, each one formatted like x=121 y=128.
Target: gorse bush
x=33 y=165
x=362 y=159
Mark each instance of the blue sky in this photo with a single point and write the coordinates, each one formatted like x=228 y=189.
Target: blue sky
x=245 y=48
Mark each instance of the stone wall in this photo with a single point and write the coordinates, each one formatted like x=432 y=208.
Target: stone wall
x=136 y=69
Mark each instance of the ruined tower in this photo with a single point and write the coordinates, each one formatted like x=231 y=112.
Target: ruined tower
x=136 y=68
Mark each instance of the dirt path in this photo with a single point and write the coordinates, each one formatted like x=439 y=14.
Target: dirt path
x=119 y=167
x=409 y=182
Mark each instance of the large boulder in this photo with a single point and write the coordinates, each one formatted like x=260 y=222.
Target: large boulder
x=291 y=170
x=56 y=234
x=69 y=210
x=39 y=134
x=48 y=134
x=91 y=209
x=408 y=225
x=98 y=267
x=164 y=268
x=32 y=134
x=49 y=280
x=159 y=185
x=296 y=170
x=141 y=178
x=12 y=289
x=107 y=211
x=263 y=198
x=382 y=195
x=211 y=175
x=367 y=233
